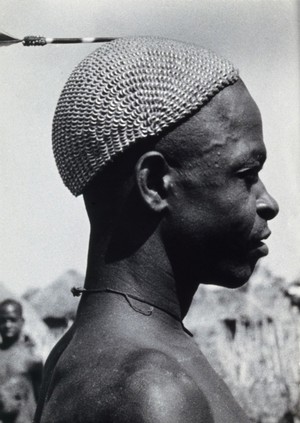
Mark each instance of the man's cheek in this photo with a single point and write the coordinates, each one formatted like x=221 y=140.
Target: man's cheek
x=243 y=223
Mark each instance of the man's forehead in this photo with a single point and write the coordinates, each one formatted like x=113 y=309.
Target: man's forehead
x=231 y=115
x=9 y=309
x=227 y=131
x=231 y=108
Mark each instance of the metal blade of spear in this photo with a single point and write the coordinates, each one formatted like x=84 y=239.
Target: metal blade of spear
x=33 y=40
x=7 y=40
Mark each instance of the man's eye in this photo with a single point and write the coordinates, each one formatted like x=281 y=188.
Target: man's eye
x=250 y=175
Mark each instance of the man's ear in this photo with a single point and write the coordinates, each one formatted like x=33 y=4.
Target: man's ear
x=153 y=180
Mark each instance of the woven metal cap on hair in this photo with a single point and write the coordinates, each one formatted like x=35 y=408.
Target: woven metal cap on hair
x=129 y=89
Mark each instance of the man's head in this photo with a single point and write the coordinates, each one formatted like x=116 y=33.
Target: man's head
x=11 y=320
x=218 y=208
x=192 y=153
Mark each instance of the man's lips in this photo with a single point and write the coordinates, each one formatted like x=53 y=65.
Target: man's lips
x=260 y=250
x=257 y=247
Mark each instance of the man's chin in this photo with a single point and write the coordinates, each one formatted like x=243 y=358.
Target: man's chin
x=234 y=275
x=10 y=337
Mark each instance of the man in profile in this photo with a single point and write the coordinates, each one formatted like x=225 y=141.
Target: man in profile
x=165 y=143
x=20 y=368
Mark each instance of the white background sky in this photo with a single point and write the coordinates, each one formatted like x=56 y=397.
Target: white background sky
x=43 y=229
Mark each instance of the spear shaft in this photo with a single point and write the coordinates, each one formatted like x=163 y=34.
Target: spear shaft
x=33 y=40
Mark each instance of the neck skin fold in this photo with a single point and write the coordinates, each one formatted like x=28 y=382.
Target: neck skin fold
x=146 y=273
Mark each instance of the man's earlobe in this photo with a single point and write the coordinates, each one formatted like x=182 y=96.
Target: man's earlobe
x=153 y=180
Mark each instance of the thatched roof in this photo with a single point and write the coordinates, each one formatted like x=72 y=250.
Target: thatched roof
x=292 y=291
x=255 y=301
x=217 y=305
x=56 y=300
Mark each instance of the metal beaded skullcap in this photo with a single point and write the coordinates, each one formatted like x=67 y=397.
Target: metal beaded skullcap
x=129 y=89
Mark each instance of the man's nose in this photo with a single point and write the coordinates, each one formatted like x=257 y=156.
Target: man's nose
x=266 y=206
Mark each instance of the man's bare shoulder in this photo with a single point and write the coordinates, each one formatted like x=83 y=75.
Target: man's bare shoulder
x=137 y=385
x=154 y=387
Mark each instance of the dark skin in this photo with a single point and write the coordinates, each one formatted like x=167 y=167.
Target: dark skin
x=20 y=369
x=11 y=324
x=193 y=210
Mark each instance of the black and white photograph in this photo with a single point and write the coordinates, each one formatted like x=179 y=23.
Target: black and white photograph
x=150 y=211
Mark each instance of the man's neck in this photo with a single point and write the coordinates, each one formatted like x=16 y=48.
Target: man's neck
x=146 y=274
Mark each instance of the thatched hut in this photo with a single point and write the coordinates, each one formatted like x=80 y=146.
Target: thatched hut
x=55 y=304
x=251 y=337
